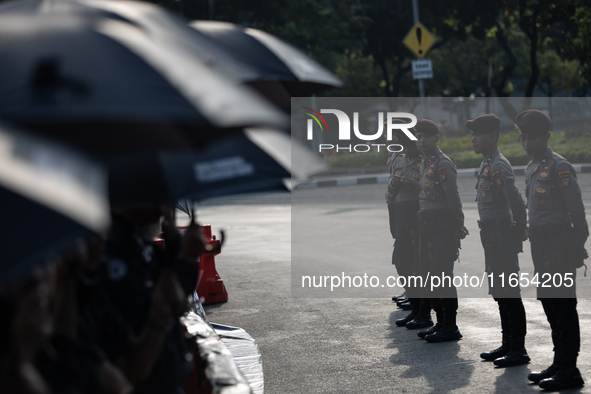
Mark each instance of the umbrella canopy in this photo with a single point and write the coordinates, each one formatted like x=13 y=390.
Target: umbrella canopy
x=274 y=68
x=275 y=60
x=257 y=160
x=49 y=196
x=79 y=77
x=107 y=116
x=162 y=26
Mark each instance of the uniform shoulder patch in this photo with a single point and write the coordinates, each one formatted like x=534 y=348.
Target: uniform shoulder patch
x=497 y=177
x=564 y=177
x=442 y=173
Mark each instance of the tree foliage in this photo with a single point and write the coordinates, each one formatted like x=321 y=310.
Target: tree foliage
x=491 y=48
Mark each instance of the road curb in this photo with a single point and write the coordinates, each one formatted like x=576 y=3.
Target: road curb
x=361 y=178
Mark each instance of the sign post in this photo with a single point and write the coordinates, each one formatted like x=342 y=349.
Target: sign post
x=422 y=69
x=419 y=40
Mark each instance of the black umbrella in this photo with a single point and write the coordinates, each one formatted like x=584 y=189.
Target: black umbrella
x=105 y=83
x=274 y=68
x=164 y=27
x=49 y=196
x=107 y=136
x=258 y=160
x=281 y=66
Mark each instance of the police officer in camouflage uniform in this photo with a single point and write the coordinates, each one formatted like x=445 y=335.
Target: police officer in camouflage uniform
x=502 y=223
x=401 y=299
x=389 y=198
x=558 y=231
x=404 y=190
x=441 y=228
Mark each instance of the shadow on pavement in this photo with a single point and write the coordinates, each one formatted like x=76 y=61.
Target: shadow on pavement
x=514 y=380
x=431 y=367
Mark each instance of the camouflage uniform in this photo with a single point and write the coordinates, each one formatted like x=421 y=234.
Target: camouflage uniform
x=441 y=219
x=406 y=205
x=558 y=231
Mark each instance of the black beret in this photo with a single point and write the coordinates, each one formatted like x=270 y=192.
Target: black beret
x=484 y=123
x=533 y=121
x=426 y=126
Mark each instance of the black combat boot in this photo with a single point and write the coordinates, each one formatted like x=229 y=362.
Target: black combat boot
x=565 y=378
x=440 y=320
x=513 y=357
x=402 y=322
x=432 y=330
x=446 y=333
x=404 y=305
x=494 y=354
x=423 y=315
x=506 y=330
x=415 y=304
x=399 y=297
x=498 y=352
x=420 y=321
x=517 y=354
x=536 y=377
x=513 y=322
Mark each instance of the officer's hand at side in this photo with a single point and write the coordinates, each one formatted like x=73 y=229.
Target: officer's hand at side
x=412 y=183
x=394 y=183
x=464 y=232
x=193 y=243
x=395 y=180
x=524 y=236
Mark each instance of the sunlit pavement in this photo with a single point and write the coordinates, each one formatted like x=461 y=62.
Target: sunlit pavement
x=351 y=345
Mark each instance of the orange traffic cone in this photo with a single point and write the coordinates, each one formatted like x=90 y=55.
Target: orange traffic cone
x=210 y=287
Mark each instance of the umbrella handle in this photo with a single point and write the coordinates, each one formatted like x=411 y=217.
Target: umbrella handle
x=214 y=249
x=210 y=249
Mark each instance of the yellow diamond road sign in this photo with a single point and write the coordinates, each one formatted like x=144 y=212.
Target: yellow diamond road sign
x=419 y=40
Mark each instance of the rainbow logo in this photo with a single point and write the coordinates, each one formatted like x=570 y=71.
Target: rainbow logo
x=315 y=118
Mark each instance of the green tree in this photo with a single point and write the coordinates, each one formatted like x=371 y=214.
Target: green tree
x=387 y=23
x=558 y=75
x=359 y=39
x=363 y=78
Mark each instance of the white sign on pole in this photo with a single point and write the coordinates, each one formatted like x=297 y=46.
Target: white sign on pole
x=422 y=69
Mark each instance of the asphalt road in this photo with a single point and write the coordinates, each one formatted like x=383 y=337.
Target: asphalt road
x=351 y=345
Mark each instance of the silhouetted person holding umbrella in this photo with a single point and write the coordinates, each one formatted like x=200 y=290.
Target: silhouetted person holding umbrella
x=137 y=267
